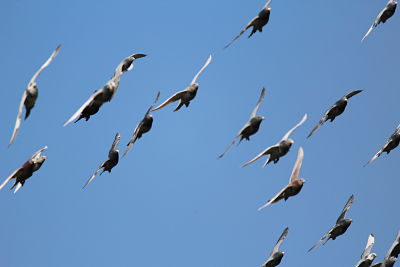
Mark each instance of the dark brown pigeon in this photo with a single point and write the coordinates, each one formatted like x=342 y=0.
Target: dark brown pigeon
x=337 y=109
x=391 y=144
x=257 y=23
x=25 y=172
x=295 y=183
x=340 y=227
x=251 y=127
x=276 y=256
x=385 y=14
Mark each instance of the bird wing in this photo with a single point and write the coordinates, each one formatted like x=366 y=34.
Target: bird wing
x=152 y=105
x=94 y=174
x=394 y=249
x=351 y=94
x=18 y=120
x=170 y=100
x=376 y=155
x=79 y=111
x=324 y=118
x=320 y=241
x=133 y=139
x=9 y=178
x=286 y=136
x=280 y=240
x=274 y=199
x=267 y=151
x=368 y=247
x=231 y=144
x=240 y=34
x=345 y=209
x=115 y=143
x=37 y=153
x=268 y=3
x=297 y=166
x=201 y=70
x=254 y=113
x=47 y=63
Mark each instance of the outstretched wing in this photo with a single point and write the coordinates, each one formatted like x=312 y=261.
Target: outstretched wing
x=269 y=150
x=201 y=70
x=345 y=209
x=368 y=247
x=79 y=111
x=94 y=174
x=394 y=250
x=297 y=166
x=254 y=113
x=9 y=178
x=319 y=242
x=37 y=153
x=47 y=63
x=251 y=23
x=18 y=120
x=152 y=105
x=268 y=3
x=133 y=139
x=376 y=155
x=324 y=118
x=286 y=136
x=274 y=199
x=115 y=143
x=351 y=94
x=280 y=240
x=231 y=144
x=170 y=100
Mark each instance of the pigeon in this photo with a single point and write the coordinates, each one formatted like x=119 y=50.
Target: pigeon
x=25 y=172
x=340 y=227
x=295 y=183
x=367 y=257
x=385 y=14
x=337 y=109
x=278 y=150
x=392 y=255
x=276 y=256
x=30 y=96
x=257 y=23
x=186 y=95
x=251 y=127
x=110 y=163
x=391 y=144
x=103 y=95
x=143 y=127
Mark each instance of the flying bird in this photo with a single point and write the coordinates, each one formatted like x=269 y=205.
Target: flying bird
x=392 y=255
x=385 y=14
x=103 y=95
x=186 y=95
x=30 y=96
x=391 y=144
x=340 y=227
x=367 y=257
x=25 y=172
x=295 y=183
x=334 y=111
x=251 y=127
x=276 y=256
x=257 y=23
x=111 y=162
x=278 y=150
x=143 y=127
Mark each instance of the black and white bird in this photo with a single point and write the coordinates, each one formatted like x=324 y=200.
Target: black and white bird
x=340 y=227
x=334 y=111
x=383 y=16
x=392 y=254
x=367 y=257
x=25 y=172
x=391 y=144
x=276 y=256
x=143 y=127
x=251 y=127
x=111 y=162
x=30 y=96
x=186 y=95
x=295 y=182
x=278 y=150
x=257 y=23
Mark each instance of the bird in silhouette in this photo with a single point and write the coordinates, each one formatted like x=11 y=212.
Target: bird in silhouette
x=385 y=14
x=276 y=256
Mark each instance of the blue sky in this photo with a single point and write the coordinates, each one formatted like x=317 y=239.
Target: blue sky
x=170 y=201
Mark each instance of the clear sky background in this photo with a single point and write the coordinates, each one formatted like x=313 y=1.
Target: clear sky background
x=170 y=202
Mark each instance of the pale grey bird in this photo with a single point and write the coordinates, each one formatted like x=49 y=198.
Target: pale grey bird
x=276 y=256
x=30 y=96
x=383 y=16
x=257 y=23
x=278 y=150
x=101 y=96
x=186 y=95
x=392 y=254
x=251 y=127
x=367 y=257
x=295 y=183
x=111 y=162
x=340 y=227
x=334 y=111
x=25 y=172
x=143 y=127
x=391 y=144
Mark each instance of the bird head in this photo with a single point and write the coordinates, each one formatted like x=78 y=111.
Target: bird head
x=32 y=88
x=371 y=256
x=303 y=181
x=194 y=86
x=348 y=221
x=290 y=141
x=37 y=162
